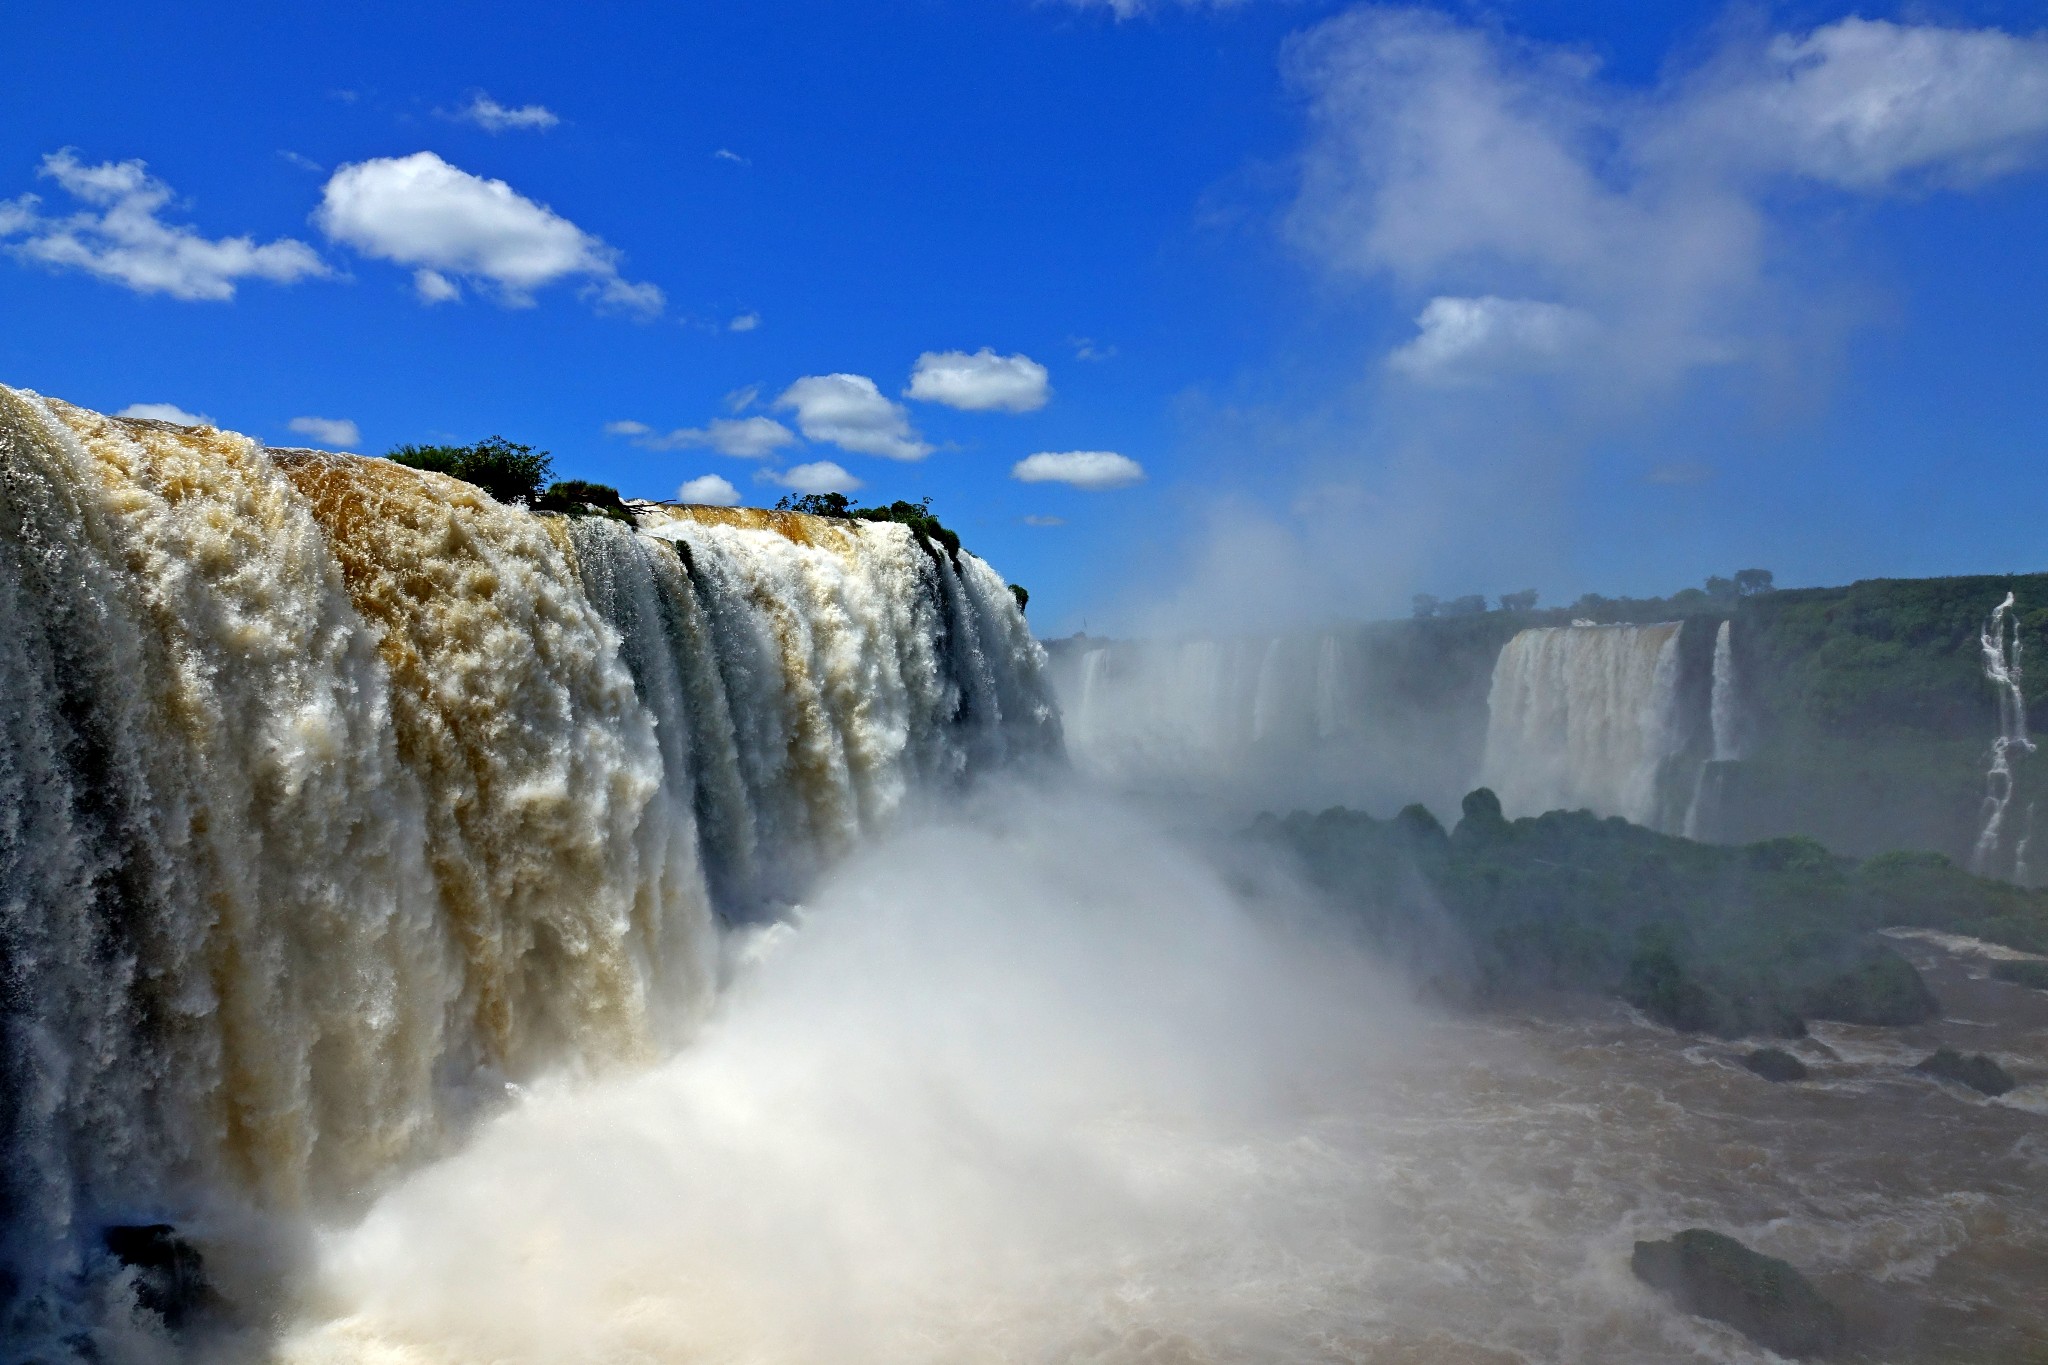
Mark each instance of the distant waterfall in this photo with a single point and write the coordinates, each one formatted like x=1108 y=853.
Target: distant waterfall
x=334 y=793
x=1168 y=710
x=1724 y=718
x=1585 y=717
x=1725 y=712
x=2001 y=655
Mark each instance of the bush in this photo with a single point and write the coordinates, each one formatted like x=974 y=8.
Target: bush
x=577 y=498
x=1022 y=594
x=508 y=471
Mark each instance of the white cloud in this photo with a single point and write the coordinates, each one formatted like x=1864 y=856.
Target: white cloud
x=125 y=241
x=1087 y=348
x=1863 y=104
x=166 y=412
x=1131 y=9
x=1470 y=340
x=746 y=438
x=1090 y=469
x=727 y=154
x=848 y=411
x=433 y=287
x=711 y=489
x=493 y=117
x=745 y=322
x=338 y=432
x=1035 y=520
x=420 y=211
x=1465 y=166
x=822 y=477
x=304 y=163
x=740 y=399
x=982 y=382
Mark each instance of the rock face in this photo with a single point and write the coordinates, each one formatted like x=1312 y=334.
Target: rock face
x=1977 y=1071
x=170 y=1277
x=1775 y=1064
x=1762 y=1297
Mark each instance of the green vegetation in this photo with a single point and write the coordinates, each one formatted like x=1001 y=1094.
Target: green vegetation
x=577 y=498
x=1768 y=1300
x=1775 y=1064
x=2033 y=974
x=1976 y=1071
x=518 y=475
x=918 y=516
x=1022 y=594
x=1733 y=941
x=508 y=471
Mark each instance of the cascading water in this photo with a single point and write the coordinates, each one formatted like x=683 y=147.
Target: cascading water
x=1725 y=718
x=333 y=794
x=2000 y=649
x=1584 y=717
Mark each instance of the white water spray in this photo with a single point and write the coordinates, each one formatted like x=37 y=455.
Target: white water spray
x=2001 y=656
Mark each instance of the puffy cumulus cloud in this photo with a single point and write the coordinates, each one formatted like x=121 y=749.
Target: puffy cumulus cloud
x=121 y=236
x=1463 y=341
x=747 y=438
x=452 y=226
x=848 y=411
x=328 y=431
x=166 y=412
x=709 y=489
x=982 y=382
x=493 y=117
x=1620 y=236
x=1090 y=469
x=822 y=476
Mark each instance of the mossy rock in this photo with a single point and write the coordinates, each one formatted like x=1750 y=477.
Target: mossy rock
x=2025 y=973
x=1775 y=1064
x=1764 y=1298
x=1977 y=1071
x=1883 y=989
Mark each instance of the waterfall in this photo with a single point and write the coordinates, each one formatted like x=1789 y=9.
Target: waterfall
x=1724 y=718
x=1724 y=710
x=334 y=795
x=2001 y=657
x=1584 y=717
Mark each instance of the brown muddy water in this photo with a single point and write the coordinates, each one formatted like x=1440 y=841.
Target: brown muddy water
x=963 y=1129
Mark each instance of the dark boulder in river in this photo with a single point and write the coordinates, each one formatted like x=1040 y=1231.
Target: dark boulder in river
x=1762 y=1297
x=1977 y=1071
x=1775 y=1064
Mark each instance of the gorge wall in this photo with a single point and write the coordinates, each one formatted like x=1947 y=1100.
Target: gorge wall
x=1889 y=714
x=335 y=796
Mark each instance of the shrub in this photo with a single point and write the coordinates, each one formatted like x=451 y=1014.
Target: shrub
x=508 y=471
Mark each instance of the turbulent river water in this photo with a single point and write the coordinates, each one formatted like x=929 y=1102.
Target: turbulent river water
x=491 y=938
x=1075 y=1103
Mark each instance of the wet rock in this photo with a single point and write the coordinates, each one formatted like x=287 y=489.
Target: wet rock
x=1775 y=1064
x=1977 y=1071
x=1764 y=1298
x=170 y=1276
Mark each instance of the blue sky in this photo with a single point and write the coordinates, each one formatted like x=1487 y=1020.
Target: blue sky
x=1367 y=300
